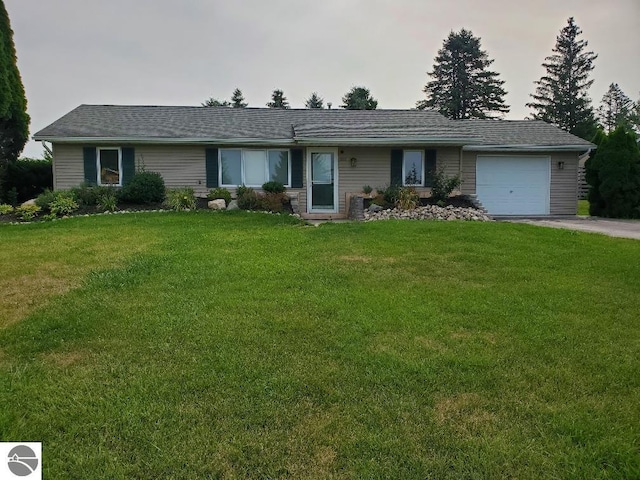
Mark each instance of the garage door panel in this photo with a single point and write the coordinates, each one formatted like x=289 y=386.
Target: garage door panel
x=513 y=185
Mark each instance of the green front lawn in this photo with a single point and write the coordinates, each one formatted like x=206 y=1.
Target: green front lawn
x=243 y=345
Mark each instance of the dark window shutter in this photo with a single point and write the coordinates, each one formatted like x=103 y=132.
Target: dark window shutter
x=396 y=167
x=296 y=167
x=429 y=167
x=90 y=167
x=128 y=164
x=211 y=166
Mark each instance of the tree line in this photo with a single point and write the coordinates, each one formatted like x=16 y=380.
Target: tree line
x=463 y=86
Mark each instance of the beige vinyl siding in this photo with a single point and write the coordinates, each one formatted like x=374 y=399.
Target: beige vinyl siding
x=68 y=166
x=179 y=165
x=564 y=184
x=468 y=185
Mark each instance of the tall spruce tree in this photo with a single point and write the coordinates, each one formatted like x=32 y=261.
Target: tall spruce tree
x=278 y=100
x=615 y=109
x=462 y=85
x=237 y=99
x=561 y=95
x=314 y=101
x=14 y=121
x=359 y=98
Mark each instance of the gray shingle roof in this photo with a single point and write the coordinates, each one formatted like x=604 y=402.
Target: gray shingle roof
x=210 y=124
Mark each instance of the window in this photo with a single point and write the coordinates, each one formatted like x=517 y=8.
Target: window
x=109 y=166
x=413 y=168
x=253 y=167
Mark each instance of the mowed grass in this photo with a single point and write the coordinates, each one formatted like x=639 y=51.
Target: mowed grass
x=249 y=346
x=583 y=207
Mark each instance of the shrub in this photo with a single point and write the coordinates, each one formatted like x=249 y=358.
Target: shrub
x=248 y=199
x=273 y=187
x=367 y=189
x=442 y=186
x=29 y=177
x=181 y=199
x=242 y=189
x=45 y=198
x=88 y=195
x=64 y=204
x=222 y=193
x=391 y=194
x=107 y=202
x=272 y=202
x=408 y=198
x=27 y=213
x=144 y=188
x=614 y=176
x=6 y=209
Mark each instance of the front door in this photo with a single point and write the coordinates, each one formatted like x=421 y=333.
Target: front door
x=322 y=168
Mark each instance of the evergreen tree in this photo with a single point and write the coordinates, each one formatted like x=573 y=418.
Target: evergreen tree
x=613 y=174
x=561 y=96
x=237 y=99
x=14 y=121
x=359 y=98
x=314 y=101
x=615 y=109
x=214 y=102
x=278 y=100
x=462 y=85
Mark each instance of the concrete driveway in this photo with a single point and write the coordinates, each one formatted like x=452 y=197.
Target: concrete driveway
x=613 y=228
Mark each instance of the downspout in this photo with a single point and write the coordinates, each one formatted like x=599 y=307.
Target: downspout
x=46 y=147
x=460 y=169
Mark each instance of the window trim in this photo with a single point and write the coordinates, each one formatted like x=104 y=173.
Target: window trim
x=242 y=169
x=404 y=175
x=98 y=169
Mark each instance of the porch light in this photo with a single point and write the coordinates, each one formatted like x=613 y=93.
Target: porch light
x=354 y=162
x=560 y=165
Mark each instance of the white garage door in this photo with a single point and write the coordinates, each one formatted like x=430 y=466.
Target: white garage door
x=513 y=185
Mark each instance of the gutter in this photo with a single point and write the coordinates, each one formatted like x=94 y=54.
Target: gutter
x=527 y=148
x=152 y=140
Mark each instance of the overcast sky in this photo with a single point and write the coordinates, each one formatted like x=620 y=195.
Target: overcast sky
x=181 y=52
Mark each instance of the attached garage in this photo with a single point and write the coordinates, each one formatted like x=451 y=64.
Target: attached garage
x=514 y=184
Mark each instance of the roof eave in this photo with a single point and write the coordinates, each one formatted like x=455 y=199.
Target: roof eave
x=528 y=148
x=163 y=140
x=393 y=141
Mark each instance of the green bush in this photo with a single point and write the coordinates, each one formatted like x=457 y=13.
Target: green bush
x=45 y=198
x=390 y=194
x=442 y=186
x=367 y=189
x=273 y=187
x=29 y=177
x=242 y=189
x=613 y=174
x=27 y=213
x=144 y=188
x=248 y=199
x=6 y=209
x=408 y=198
x=88 y=195
x=272 y=202
x=107 y=202
x=217 y=193
x=181 y=199
x=63 y=205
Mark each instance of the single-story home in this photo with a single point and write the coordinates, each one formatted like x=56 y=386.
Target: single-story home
x=323 y=157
